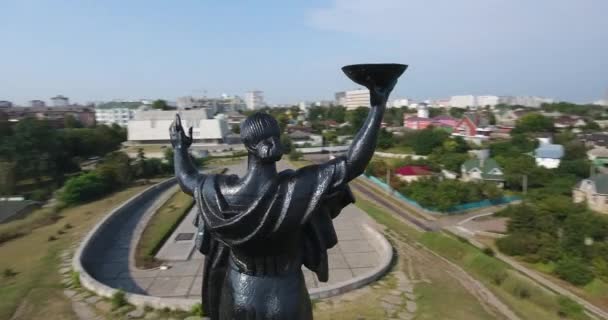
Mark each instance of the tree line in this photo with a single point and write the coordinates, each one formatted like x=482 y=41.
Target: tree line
x=34 y=151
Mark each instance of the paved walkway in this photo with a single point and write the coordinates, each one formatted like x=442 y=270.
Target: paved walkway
x=354 y=255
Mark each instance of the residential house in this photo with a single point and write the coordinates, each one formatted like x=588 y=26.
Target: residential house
x=596 y=139
x=416 y=123
x=473 y=127
x=598 y=155
x=593 y=191
x=419 y=123
x=413 y=173
x=548 y=155
x=482 y=170
x=567 y=122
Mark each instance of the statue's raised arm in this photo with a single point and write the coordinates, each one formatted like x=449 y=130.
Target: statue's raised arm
x=380 y=79
x=185 y=171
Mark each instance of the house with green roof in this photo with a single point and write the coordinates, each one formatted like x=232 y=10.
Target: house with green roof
x=593 y=191
x=482 y=169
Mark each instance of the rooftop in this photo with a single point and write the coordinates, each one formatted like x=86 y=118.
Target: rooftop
x=414 y=171
x=549 y=150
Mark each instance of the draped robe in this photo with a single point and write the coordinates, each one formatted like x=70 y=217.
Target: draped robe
x=286 y=225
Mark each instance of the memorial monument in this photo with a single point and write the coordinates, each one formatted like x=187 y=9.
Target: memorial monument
x=257 y=231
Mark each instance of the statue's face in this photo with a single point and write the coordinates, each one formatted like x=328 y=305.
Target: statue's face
x=269 y=149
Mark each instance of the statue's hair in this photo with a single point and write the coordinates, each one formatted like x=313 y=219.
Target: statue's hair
x=259 y=126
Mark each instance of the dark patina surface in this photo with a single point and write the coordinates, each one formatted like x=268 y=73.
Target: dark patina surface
x=257 y=231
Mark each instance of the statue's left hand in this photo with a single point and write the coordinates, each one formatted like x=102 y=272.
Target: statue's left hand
x=179 y=139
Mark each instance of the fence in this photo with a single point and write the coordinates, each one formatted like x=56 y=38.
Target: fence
x=453 y=210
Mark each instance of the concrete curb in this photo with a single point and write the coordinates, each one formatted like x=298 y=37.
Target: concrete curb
x=87 y=248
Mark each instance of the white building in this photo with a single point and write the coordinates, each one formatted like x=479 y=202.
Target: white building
x=602 y=102
x=423 y=111
x=463 y=101
x=400 y=103
x=254 y=100
x=340 y=98
x=491 y=101
x=60 y=101
x=548 y=155
x=153 y=126
x=526 y=101
x=357 y=98
x=110 y=116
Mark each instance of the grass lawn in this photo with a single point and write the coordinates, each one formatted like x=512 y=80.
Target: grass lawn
x=36 y=285
x=596 y=291
x=526 y=298
x=436 y=300
x=160 y=227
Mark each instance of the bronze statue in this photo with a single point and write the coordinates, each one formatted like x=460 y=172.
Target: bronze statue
x=258 y=230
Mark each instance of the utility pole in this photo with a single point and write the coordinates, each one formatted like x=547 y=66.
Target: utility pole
x=388 y=180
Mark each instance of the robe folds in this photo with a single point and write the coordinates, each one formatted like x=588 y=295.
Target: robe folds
x=287 y=224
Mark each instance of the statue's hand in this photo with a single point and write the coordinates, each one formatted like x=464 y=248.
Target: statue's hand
x=179 y=139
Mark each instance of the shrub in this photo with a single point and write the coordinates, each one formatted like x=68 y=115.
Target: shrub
x=9 y=273
x=488 y=251
x=574 y=271
x=517 y=244
x=295 y=155
x=67 y=226
x=498 y=276
x=568 y=308
x=197 y=310
x=118 y=299
x=40 y=194
x=522 y=291
x=85 y=187
x=51 y=238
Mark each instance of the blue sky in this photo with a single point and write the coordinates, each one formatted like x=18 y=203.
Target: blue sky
x=293 y=50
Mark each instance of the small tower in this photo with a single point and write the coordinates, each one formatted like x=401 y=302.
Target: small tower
x=423 y=110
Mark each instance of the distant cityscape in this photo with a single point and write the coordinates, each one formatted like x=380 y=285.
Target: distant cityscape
x=213 y=117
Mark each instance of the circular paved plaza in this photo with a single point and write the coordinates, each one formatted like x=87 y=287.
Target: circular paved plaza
x=361 y=252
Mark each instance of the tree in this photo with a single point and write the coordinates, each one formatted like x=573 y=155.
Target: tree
x=357 y=117
x=168 y=158
x=424 y=141
x=160 y=104
x=116 y=169
x=574 y=270
x=286 y=143
x=8 y=179
x=85 y=187
x=385 y=139
x=534 y=122
x=457 y=112
x=295 y=155
x=36 y=149
x=236 y=128
x=71 y=122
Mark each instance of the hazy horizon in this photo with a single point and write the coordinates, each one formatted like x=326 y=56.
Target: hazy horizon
x=293 y=51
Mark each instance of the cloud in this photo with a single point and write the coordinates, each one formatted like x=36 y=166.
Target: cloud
x=500 y=46
x=459 y=24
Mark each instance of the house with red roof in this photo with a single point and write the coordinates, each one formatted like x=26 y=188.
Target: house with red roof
x=413 y=172
x=416 y=123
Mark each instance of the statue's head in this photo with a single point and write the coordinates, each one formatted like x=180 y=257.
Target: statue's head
x=261 y=134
